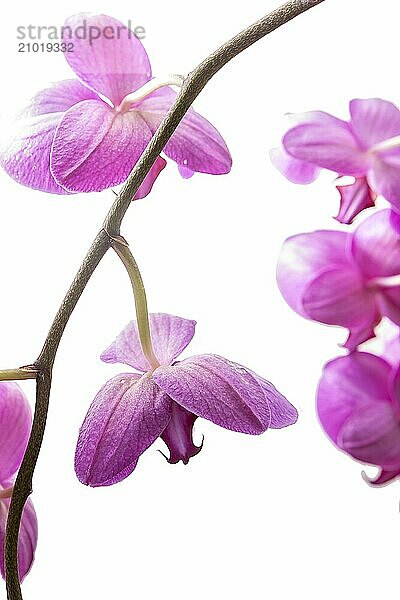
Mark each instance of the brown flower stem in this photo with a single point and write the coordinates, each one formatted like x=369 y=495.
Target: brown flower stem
x=191 y=88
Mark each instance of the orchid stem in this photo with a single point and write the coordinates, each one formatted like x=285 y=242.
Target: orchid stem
x=142 y=314
x=193 y=85
x=17 y=374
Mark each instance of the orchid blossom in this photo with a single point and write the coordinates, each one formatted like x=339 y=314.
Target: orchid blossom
x=358 y=404
x=366 y=147
x=86 y=134
x=347 y=279
x=15 y=426
x=164 y=397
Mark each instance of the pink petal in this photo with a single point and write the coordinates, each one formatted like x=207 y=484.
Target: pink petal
x=389 y=303
x=124 y=419
x=391 y=353
x=283 y=413
x=147 y=185
x=178 y=435
x=300 y=171
x=297 y=171
x=384 y=177
x=25 y=156
x=379 y=231
x=359 y=379
x=58 y=98
x=338 y=296
x=110 y=59
x=169 y=334
x=374 y=120
x=372 y=435
x=303 y=257
x=27 y=540
x=216 y=389
x=196 y=144
x=96 y=148
x=354 y=199
x=392 y=346
x=15 y=427
x=317 y=117
x=327 y=145
x=394 y=384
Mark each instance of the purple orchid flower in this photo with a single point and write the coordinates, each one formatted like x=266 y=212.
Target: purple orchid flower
x=358 y=404
x=367 y=147
x=133 y=409
x=15 y=426
x=86 y=134
x=347 y=279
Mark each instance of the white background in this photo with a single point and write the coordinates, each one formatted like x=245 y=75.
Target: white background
x=278 y=516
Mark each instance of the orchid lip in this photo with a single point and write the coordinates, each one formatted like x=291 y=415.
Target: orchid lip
x=148 y=88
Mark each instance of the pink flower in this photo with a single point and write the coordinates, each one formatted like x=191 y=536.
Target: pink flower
x=86 y=134
x=366 y=147
x=133 y=409
x=347 y=279
x=358 y=404
x=15 y=426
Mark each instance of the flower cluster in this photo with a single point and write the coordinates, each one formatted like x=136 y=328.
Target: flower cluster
x=15 y=426
x=86 y=135
x=352 y=278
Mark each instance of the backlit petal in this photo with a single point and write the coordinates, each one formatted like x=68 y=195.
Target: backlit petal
x=25 y=149
x=283 y=413
x=219 y=390
x=196 y=144
x=376 y=244
x=372 y=435
x=96 y=148
x=338 y=296
x=389 y=303
x=169 y=334
x=126 y=416
x=297 y=171
x=15 y=426
x=374 y=120
x=58 y=98
x=391 y=351
x=107 y=56
x=359 y=379
x=329 y=145
x=27 y=540
x=384 y=177
x=303 y=257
